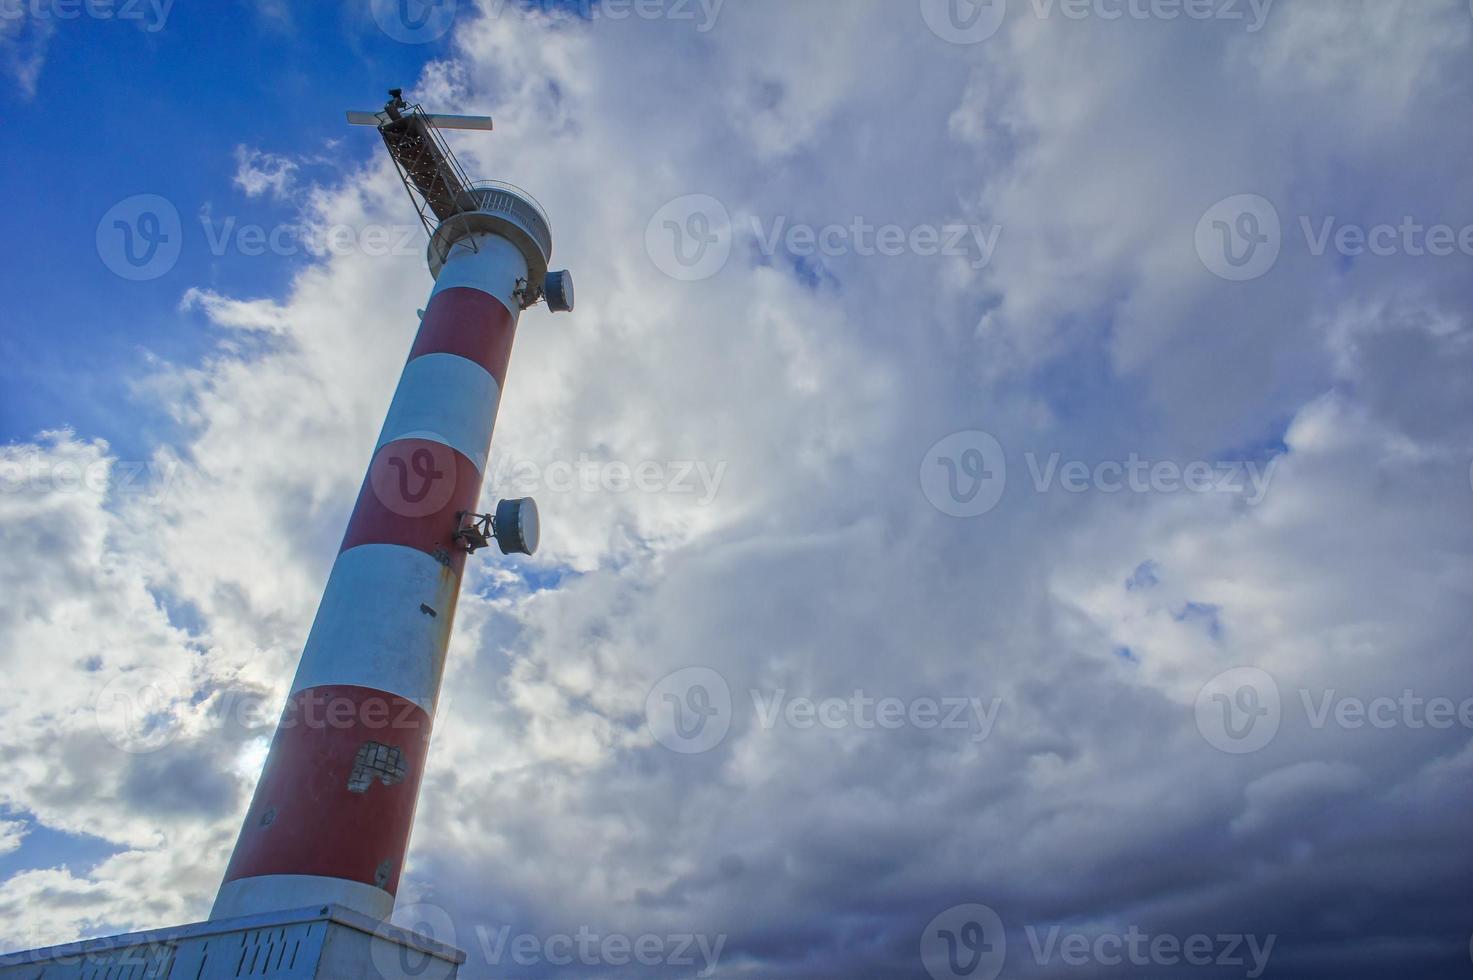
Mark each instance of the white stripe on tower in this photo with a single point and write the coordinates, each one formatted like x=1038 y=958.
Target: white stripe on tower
x=331 y=817
x=448 y=399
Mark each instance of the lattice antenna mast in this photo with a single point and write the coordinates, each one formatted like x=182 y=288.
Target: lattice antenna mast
x=464 y=210
x=433 y=177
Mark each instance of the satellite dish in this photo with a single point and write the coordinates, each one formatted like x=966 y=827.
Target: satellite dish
x=558 y=289
x=518 y=530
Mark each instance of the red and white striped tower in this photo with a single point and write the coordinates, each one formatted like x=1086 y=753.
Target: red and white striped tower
x=332 y=813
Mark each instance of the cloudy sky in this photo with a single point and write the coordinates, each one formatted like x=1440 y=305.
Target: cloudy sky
x=1006 y=483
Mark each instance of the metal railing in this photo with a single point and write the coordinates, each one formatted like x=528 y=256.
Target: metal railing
x=499 y=197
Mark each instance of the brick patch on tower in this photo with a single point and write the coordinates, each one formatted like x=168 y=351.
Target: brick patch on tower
x=376 y=761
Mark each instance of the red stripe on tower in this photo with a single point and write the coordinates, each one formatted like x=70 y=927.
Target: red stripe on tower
x=349 y=755
x=465 y=321
x=414 y=490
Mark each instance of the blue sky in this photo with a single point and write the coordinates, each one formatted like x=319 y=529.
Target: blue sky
x=123 y=110
x=1132 y=457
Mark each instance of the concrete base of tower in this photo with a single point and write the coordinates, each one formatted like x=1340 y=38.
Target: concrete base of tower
x=267 y=893
x=328 y=942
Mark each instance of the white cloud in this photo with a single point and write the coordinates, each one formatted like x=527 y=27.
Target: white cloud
x=24 y=40
x=12 y=832
x=258 y=172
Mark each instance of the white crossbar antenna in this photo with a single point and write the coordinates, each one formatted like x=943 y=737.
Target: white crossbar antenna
x=437 y=120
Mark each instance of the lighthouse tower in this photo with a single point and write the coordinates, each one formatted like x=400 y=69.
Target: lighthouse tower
x=332 y=813
x=311 y=883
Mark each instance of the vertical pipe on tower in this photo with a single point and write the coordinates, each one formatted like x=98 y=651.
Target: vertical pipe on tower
x=332 y=813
